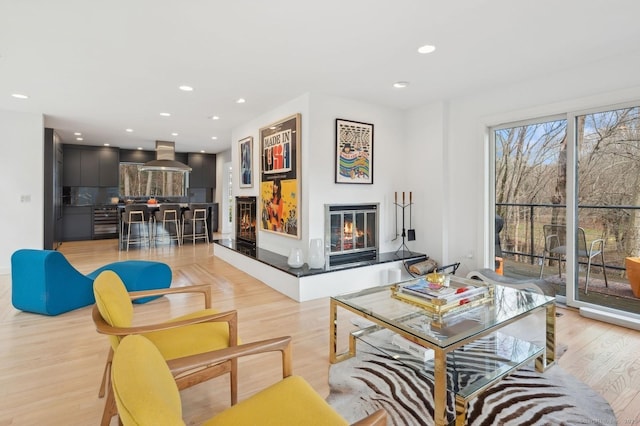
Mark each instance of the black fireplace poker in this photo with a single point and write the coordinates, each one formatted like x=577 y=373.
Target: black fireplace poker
x=403 y=247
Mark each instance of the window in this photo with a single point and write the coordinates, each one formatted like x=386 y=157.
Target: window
x=579 y=174
x=137 y=183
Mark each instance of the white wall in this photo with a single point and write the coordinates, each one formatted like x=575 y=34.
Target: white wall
x=268 y=240
x=318 y=185
x=389 y=159
x=21 y=172
x=604 y=83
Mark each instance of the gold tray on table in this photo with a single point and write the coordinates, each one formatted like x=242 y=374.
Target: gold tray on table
x=443 y=300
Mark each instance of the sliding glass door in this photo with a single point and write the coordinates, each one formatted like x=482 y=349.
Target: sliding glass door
x=608 y=199
x=567 y=204
x=530 y=192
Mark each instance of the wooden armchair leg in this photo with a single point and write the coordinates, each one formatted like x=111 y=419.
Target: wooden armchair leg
x=233 y=379
x=110 y=408
x=378 y=418
x=105 y=374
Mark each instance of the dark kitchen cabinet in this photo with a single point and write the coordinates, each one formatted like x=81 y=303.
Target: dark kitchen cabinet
x=77 y=223
x=91 y=166
x=109 y=159
x=203 y=173
x=71 y=167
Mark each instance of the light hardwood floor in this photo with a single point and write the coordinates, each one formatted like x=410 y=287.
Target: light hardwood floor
x=50 y=367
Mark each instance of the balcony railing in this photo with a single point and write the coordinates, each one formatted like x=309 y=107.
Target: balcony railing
x=534 y=216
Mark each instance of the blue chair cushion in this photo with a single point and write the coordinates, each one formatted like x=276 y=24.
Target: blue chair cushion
x=139 y=275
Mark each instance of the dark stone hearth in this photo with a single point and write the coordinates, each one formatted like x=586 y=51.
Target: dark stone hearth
x=280 y=262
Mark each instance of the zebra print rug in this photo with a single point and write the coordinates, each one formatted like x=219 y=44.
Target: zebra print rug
x=383 y=376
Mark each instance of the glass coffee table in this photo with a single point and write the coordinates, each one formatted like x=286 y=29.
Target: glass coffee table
x=447 y=327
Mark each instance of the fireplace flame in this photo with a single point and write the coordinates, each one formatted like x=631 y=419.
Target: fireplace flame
x=348 y=228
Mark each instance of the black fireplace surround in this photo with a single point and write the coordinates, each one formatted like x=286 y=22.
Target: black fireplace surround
x=246 y=220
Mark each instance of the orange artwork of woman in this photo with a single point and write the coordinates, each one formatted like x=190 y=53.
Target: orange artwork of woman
x=275 y=207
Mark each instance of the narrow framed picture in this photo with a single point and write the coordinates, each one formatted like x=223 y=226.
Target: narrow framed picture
x=246 y=162
x=354 y=152
x=280 y=177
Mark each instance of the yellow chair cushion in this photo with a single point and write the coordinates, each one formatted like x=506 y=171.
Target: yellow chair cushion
x=144 y=389
x=112 y=299
x=289 y=402
x=191 y=339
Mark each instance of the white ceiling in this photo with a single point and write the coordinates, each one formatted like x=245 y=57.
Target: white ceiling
x=99 y=67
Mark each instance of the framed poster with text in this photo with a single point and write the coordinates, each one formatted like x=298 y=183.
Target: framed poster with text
x=280 y=177
x=354 y=152
x=246 y=162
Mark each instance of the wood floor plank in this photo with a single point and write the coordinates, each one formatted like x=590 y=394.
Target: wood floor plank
x=51 y=367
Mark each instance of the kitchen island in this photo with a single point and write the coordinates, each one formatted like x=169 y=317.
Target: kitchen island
x=212 y=219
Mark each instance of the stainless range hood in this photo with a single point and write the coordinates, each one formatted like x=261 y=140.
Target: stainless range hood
x=165 y=159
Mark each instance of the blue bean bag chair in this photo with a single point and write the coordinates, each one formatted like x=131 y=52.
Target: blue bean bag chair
x=44 y=282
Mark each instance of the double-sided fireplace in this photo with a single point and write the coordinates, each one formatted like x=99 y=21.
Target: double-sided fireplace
x=246 y=220
x=351 y=233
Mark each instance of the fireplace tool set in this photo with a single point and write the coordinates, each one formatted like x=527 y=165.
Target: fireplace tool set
x=409 y=234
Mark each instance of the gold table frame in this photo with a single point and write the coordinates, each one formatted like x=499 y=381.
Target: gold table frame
x=542 y=361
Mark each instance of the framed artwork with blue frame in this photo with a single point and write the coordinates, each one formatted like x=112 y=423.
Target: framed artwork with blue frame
x=246 y=162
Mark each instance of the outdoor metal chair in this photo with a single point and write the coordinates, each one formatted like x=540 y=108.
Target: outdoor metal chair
x=555 y=246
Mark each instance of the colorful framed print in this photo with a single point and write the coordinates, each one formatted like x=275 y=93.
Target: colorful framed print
x=354 y=152
x=280 y=177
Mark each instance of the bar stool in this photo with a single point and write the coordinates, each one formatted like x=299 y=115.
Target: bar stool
x=136 y=214
x=167 y=215
x=196 y=218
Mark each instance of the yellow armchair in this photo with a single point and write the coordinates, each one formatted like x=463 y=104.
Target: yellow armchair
x=146 y=393
x=199 y=332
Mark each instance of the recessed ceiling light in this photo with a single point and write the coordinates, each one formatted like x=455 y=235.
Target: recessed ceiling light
x=128 y=130
x=20 y=96
x=400 y=84
x=174 y=134
x=272 y=128
x=186 y=88
x=215 y=117
x=214 y=137
x=165 y=114
x=78 y=134
x=79 y=139
x=427 y=48
x=106 y=144
x=140 y=148
x=241 y=101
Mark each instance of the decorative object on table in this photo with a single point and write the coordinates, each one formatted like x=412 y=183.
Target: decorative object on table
x=436 y=280
x=403 y=250
x=354 y=152
x=372 y=379
x=440 y=299
x=246 y=162
x=280 y=177
x=316 y=254
x=44 y=282
x=296 y=258
x=632 y=264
